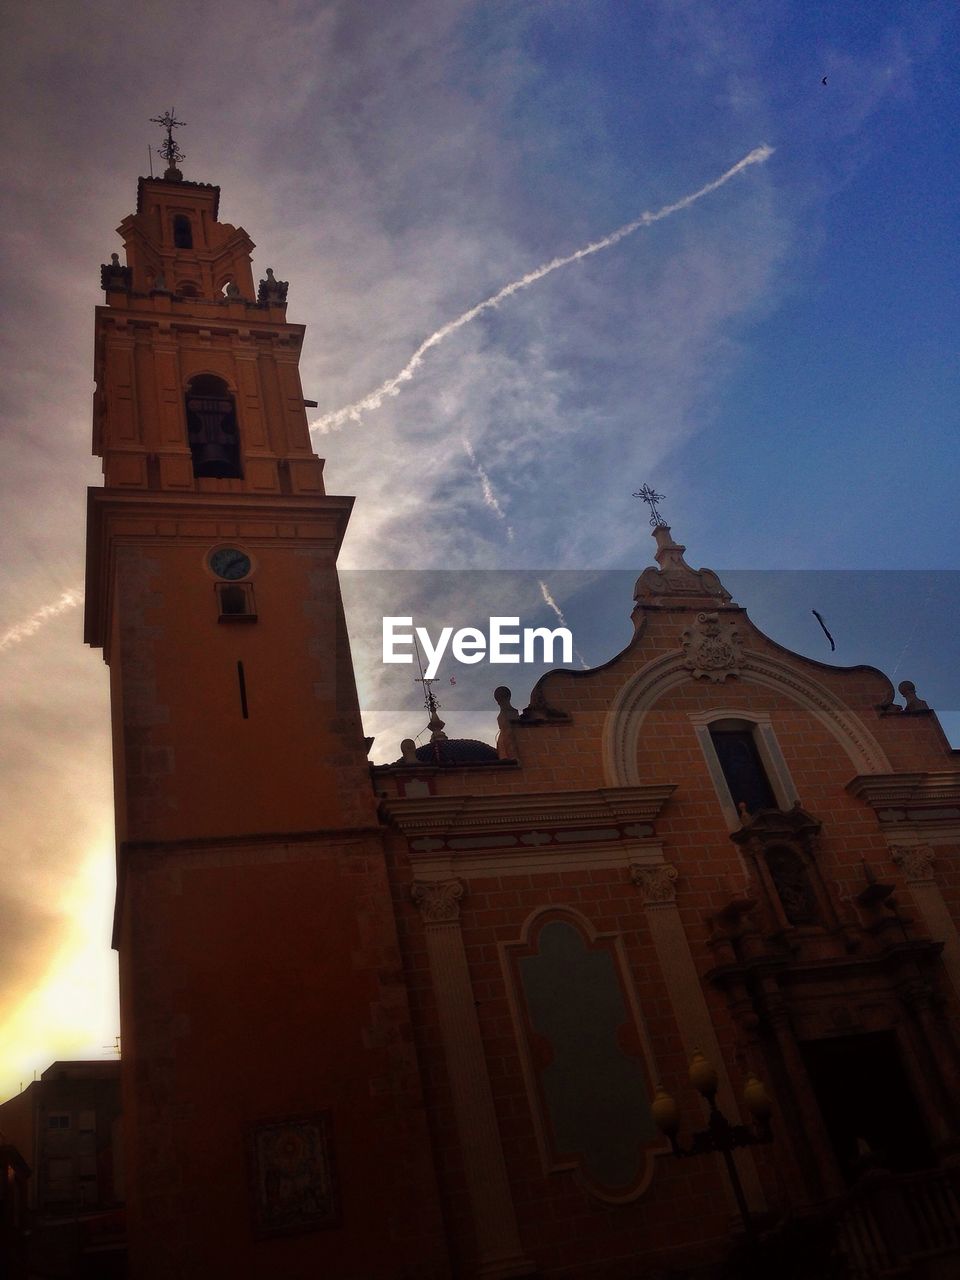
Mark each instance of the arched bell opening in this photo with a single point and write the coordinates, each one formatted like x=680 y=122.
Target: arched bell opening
x=212 y=428
x=182 y=232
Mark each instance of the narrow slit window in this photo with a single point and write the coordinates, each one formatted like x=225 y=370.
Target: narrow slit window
x=242 y=685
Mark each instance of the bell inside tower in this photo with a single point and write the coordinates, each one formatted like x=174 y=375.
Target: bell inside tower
x=212 y=428
x=182 y=232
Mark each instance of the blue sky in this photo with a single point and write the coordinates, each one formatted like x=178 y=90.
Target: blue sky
x=780 y=359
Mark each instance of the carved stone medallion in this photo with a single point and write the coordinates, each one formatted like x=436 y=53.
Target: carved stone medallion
x=712 y=649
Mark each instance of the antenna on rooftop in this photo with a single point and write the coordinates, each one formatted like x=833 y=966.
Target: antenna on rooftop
x=435 y=724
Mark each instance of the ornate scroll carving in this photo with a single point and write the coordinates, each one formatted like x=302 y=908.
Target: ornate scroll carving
x=712 y=648
x=657 y=884
x=438 y=900
x=792 y=883
x=915 y=861
x=675 y=577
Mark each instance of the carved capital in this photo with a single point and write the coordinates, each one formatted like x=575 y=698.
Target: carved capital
x=657 y=884
x=915 y=861
x=438 y=900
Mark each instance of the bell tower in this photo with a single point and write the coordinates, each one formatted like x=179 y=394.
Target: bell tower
x=273 y=1119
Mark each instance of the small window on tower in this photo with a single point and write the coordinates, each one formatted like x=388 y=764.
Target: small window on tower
x=182 y=232
x=743 y=769
x=212 y=428
x=235 y=601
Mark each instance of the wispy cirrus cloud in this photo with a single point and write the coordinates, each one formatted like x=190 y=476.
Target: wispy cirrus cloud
x=29 y=626
x=489 y=497
x=391 y=387
x=549 y=601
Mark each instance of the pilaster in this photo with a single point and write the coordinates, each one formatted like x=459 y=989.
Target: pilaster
x=499 y=1249
x=658 y=895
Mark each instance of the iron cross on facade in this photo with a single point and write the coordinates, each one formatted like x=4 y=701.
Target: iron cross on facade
x=170 y=151
x=651 y=498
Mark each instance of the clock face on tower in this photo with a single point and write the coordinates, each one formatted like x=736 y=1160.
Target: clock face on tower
x=229 y=563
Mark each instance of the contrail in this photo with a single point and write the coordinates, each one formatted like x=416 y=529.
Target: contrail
x=353 y=412
x=549 y=600
x=489 y=497
x=30 y=626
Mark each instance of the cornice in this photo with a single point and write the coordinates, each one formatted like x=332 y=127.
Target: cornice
x=107 y=506
x=563 y=810
x=227 y=316
x=941 y=787
x=209 y=191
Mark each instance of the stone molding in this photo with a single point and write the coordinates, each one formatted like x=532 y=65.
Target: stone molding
x=624 y=721
x=915 y=861
x=601 y=808
x=657 y=884
x=766 y=742
x=438 y=900
x=548 y=1157
x=485 y=863
x=908 y=789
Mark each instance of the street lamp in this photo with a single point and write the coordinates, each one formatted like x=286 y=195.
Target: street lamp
x=719 y=1135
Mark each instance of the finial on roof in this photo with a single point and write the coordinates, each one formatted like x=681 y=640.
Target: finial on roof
x=272 y=292
x=435 y=725
x=650 y=496
x=170 y=151
x=675 y=578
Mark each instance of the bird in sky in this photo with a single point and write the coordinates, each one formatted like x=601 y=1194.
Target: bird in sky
x=824 y=626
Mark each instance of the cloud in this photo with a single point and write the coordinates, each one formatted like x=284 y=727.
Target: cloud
x=489 y=497
x=29 y=930
x=391 y=387
x=552 y=604
x=29 y=626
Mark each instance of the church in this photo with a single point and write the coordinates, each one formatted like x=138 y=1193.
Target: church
x=661 y=983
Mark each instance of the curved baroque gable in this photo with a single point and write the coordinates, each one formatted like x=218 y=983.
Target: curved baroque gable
x=621 y=734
